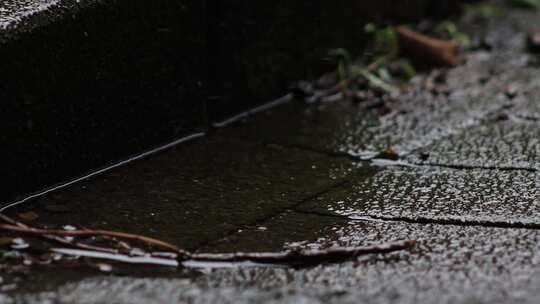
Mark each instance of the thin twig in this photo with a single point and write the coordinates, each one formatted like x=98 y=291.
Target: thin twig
x=12 y=221
x=80 y=245
x=185 y=258
x=77 y=233
x=58 y=239
x=286 y=258
x=121 y=246
x=61 y=240
x=302 y=257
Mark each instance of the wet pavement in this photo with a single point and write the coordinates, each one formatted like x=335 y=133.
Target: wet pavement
x=465 y=188
x=197 y=192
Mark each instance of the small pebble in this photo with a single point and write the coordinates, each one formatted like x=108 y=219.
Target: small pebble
x=69 y=228
x=533 y=40
x=104 y=267
x=511 y=91
x=19 y=243
x=424 y=156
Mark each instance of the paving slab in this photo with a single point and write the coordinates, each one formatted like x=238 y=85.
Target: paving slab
x=195 y=193
x=426 y=194
x=512 y=143
x=284 y=231
x=505 y=139
x=528 y=107
x=450 y=264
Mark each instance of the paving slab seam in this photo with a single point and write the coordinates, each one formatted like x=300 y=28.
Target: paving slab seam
x=270 y=217
x=401 y=162
x=466 y=167
x=525 y=118
x=428 y=221
x=404 y=163
x=451 y=222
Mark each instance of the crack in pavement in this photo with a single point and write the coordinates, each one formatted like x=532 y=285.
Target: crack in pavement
x=489 y=117
x=427 y=220
x=401 y=162
x=467 y=167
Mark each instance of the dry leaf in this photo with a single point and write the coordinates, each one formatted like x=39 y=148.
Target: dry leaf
x=425 y=50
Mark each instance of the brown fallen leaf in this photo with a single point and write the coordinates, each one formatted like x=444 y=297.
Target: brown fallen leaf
x=427 y=51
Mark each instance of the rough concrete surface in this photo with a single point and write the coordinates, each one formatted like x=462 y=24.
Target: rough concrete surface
x=465 y=188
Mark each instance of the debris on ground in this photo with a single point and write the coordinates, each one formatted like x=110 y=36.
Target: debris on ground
x=113 y=246
x=388 y=154
x=395 y=54
x=422 y=49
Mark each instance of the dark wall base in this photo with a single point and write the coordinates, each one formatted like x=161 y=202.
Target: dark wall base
x=94 y=87
x=84 y=85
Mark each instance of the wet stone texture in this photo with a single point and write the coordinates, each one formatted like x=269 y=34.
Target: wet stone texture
x=425 y=194
x=196 y=193
x=465 y=188
x=288 y=230
x=511 y=143
x=449 y=265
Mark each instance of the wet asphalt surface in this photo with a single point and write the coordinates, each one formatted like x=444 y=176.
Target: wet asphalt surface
x=465 y=187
